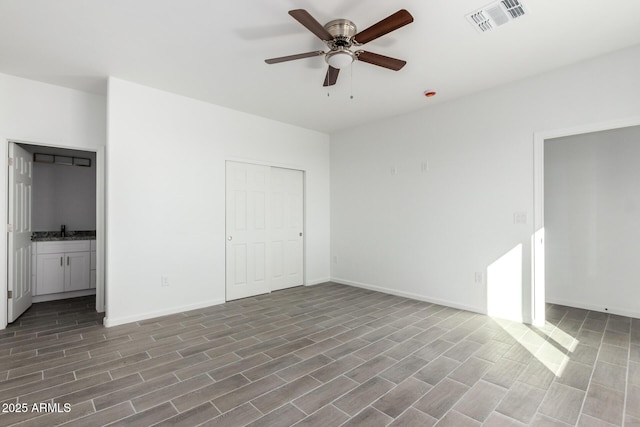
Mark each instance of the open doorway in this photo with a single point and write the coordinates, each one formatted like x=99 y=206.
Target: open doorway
x=539 y=239
x=56 y=204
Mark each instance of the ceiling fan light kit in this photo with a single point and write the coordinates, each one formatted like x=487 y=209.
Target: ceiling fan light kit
x=340 y=58
x=340 y=35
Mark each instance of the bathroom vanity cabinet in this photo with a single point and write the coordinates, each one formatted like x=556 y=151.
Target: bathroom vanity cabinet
x=63 y=266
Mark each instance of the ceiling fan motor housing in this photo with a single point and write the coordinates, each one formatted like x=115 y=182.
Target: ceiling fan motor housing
x=342 y=30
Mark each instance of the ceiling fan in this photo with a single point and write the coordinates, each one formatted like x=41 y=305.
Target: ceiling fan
x=340 y=35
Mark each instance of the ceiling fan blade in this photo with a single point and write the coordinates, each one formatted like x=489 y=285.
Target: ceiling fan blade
x=381 y=60
x=303 y=17
x=332 y=76
x=388 y=24
x=293 y=57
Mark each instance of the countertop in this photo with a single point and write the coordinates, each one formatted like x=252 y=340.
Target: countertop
x=52 y=236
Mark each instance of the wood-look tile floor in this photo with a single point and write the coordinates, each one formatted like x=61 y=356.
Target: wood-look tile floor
x=325 y=355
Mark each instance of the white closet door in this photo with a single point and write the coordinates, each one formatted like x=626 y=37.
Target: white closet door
x=247 y=216
x=19 y=239
x=286 y=228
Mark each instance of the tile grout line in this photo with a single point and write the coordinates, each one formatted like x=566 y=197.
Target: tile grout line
x=537 y=411
x=627 y=385
x=594 y=369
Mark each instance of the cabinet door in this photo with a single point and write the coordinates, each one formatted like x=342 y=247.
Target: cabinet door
x=77 y=265
x=50 y=275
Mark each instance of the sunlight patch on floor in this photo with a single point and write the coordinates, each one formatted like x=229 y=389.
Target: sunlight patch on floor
x=548 y=344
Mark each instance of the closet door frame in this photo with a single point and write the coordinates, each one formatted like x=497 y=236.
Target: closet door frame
x=255 y=247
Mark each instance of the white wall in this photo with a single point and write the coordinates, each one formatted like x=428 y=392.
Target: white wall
x=166 y=196
x=425 y=234
x=592 y=220
x=41 y=113
x=51 y=115
x=63 y=194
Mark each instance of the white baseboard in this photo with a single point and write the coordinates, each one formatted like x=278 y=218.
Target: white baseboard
x=411 y=295
x=63 y=295
x=109 y=321
x=317 y=281
x=592 y=307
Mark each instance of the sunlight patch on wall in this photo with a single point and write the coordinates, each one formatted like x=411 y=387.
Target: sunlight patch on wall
x=504 y=286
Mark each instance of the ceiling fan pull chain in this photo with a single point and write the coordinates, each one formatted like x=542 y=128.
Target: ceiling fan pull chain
x=351 y=95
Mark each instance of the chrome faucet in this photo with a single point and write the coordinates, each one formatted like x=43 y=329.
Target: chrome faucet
x=63 y=229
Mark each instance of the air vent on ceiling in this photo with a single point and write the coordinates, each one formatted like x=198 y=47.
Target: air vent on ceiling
x=496 y=14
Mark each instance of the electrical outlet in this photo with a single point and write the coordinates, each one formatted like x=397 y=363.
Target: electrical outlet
x=479 y=277
x=164 y=281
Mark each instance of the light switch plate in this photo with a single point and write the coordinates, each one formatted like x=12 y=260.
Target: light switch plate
x=520 y=218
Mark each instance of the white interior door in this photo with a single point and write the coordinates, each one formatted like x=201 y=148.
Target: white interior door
x=287 y=190
x=19 y=238
x=247 y=191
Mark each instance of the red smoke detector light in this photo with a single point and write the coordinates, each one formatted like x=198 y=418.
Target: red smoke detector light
x=429 y=93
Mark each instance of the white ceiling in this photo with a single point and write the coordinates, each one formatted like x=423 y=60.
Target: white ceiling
x=214 y=50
